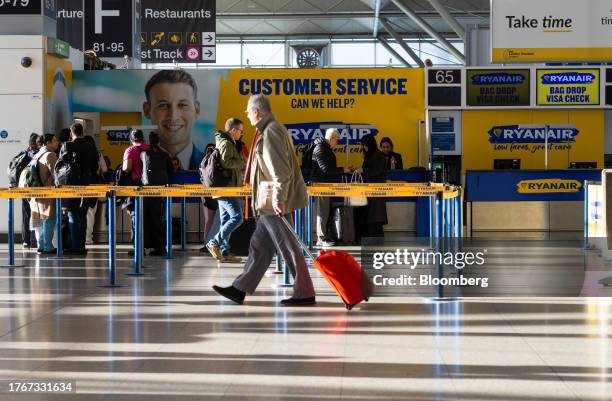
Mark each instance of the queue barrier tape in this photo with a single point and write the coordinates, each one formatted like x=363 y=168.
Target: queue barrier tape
x=373 y=190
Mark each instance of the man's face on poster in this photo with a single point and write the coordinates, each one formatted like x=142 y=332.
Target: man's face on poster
x=174 y=109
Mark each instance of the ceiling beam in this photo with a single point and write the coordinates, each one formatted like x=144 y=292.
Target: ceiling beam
x=386 y=45
x=430 y=30
x=450 y=20
x=340 y=14
x=401 y=42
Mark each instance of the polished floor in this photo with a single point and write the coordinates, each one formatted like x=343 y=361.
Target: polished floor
x=167 y=336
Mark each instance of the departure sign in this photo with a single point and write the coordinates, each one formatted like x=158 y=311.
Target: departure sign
x=444 y=87
x=576 y=87
x=20 y=7
x=498 y=88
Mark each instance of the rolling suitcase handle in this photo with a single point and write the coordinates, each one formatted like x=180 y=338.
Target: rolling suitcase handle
x=302 y=244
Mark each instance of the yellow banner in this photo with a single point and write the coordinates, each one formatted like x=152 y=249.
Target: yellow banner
x=563 y=87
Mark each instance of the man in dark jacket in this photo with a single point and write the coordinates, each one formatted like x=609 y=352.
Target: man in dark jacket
x=324 y=169
x=87 y=161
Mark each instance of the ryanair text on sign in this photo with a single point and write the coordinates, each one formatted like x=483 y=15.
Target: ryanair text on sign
x=551 y=185
x=517 y=134
x=498 y=78
x=305 y=133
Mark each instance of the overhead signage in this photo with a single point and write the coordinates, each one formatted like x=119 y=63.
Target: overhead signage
x=498 y=88
x=444 y=87
x=21 y=7
x=548 y=186
x=109 y=27
x=58 y=48
x=577 y=87
x=551 y=30
x=178 y=30
x=69 y=17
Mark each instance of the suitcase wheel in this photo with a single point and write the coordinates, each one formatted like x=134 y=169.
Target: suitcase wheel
x=349 y=307
x=366 y=299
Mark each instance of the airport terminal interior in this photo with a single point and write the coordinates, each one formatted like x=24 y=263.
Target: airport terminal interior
x=305 y=200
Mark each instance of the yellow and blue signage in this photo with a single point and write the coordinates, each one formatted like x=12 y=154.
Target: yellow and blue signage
x=535 y=185
x=579 y=87
x=548 y=186
x=517 y=134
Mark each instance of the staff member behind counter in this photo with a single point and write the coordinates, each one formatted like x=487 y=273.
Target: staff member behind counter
x=172 y=104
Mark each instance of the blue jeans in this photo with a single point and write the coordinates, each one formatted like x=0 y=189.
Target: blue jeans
x=230 y=211
x=46 y=235
x=77 y=225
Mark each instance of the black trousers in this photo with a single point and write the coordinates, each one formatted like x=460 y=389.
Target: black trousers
x=26 y=233
x=152 y=223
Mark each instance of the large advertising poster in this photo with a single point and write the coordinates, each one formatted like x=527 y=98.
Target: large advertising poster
x=551 y=30
x=58 y=93
x=381 y=102
x=573 y=136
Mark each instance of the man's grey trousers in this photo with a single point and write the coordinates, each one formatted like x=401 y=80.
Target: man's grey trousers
x=270 y=236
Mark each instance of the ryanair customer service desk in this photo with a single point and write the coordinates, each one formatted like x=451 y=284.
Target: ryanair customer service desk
x=506 y=201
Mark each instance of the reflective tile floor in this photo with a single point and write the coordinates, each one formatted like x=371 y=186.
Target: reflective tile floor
x=167 y=336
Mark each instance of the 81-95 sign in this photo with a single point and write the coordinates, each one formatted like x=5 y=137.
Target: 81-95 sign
x=444 y=77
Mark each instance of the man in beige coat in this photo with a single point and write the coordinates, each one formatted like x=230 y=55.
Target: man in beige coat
x=43 y=210
x=278 y=189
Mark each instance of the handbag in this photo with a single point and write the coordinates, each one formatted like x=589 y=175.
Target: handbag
x=356 y=201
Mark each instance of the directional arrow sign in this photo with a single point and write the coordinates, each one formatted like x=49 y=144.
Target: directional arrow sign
x=208 y=38
x=209 y=54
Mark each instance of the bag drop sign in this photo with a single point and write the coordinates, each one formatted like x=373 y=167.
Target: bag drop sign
x=578 y=87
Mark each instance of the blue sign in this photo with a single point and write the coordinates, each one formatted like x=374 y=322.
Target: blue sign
x=517 y=134
x=305 y=133
x=3 y=134
x=528 y=185
x=118 y=135
x=560 y=78
x=498 y=78
x=443 y=134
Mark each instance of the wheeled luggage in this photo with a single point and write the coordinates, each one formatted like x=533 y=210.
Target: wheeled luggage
x=343 y=225
x=341 y=271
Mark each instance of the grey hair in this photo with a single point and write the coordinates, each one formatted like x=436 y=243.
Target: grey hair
x=332 y=132
x=260 y=102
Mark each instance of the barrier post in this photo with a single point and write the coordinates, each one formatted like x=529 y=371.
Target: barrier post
x=58 y=232
x=138 y=245
x=449 y=217
x=286 y=273
x=11 y=236
x=168 y=229
x=440 y=215
x=586 y=214
x=112 y=252
x=458 y=222
x=278 y=269
x=183 y=224
x=309 y=223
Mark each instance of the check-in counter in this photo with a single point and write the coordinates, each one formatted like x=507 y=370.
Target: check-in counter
x=505 y=201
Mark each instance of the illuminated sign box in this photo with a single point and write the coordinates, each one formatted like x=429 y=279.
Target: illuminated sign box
x=498 y=88
x=576 y=87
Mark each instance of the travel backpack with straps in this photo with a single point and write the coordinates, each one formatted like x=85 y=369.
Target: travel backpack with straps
x=16 y=166
x=212 y=173
x=154 y=167
x=30 y=176
x=307 y=158
x=68 y=169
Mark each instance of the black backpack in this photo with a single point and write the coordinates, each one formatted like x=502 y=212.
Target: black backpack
x=212 y=173
x=154 y=167
x=16 y=166
x=307 y=158
x=68 y=169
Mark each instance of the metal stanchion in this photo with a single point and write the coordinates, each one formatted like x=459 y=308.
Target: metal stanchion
x=11 y=236
x=279 y=267
x=439 y=241
x=448 y=218
x=168 y=229
x=138 y=245
x=309 y=222
x=58 y=232
x=112 y=252
x=586 y=214
x=183 y=224
x=458 y=222
x=286 y=274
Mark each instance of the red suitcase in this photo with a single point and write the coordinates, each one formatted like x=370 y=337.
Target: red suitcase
x=341 y=271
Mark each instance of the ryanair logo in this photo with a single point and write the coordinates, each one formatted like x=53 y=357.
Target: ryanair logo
x=561 y=78
x=305 y=133
x=499 y=78
x=118 y=136
x=547 y=186
x=516 y=134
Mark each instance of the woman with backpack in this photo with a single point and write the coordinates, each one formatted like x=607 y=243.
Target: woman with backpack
x=43 y=210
